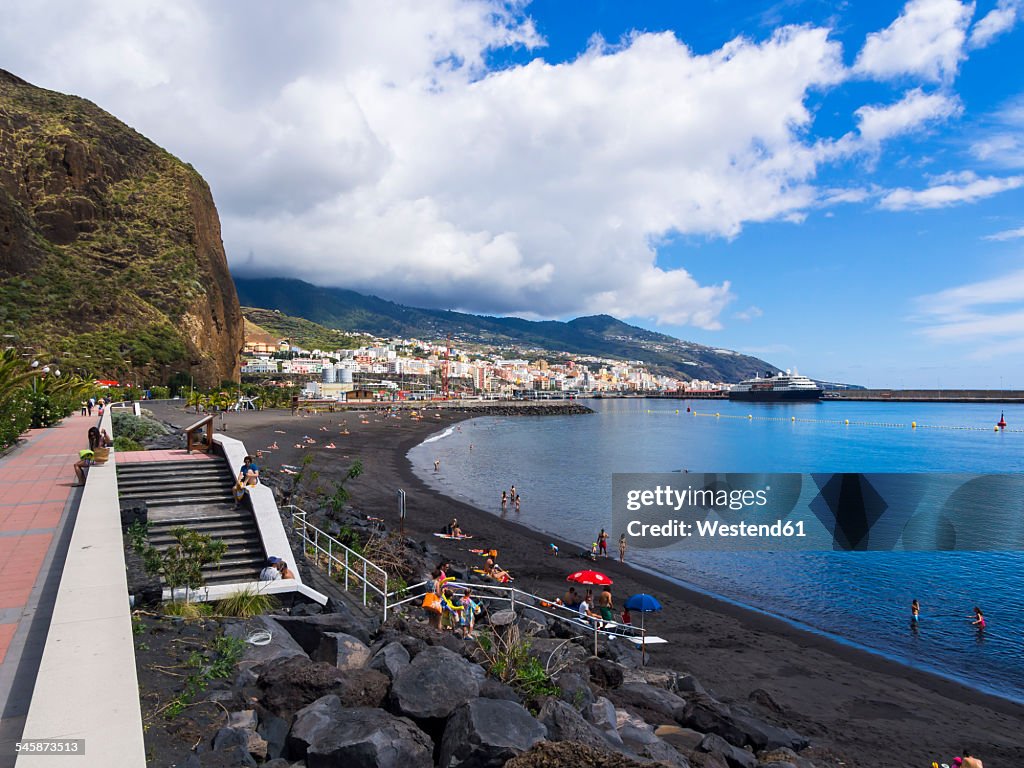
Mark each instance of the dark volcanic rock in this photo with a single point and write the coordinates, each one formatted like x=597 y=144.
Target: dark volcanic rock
x=486 y=733
x=566 y=724
x=280 y=647
x=492 y=689
x=565 y=755
x=656 y=705
x=342 y=650
x=734 y=756
x=435 y=683
x=604 y=673
x=290 y=685
x=329 y=735
x=574 y=689
x=308 y=630
x=391 y=659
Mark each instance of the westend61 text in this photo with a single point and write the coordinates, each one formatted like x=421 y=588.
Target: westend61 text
x=712 y=528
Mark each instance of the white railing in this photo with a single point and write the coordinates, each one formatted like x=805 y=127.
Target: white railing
x=354 y=567
x=340 y=559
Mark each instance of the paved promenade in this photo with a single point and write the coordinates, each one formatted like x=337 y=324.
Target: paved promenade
x=37 y=501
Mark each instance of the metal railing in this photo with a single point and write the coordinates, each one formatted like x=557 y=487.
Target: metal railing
x=340 y=559
x=353 y=567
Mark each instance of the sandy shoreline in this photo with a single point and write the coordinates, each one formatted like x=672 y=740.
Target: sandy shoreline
x=874 y=711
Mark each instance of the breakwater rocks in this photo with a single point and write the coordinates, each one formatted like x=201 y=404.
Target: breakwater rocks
x=339 y=689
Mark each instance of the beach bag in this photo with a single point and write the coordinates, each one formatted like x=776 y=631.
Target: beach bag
x=432 y=602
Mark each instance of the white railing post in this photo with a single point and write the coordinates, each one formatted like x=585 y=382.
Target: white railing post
x=346 y=570
x=512 y=598
x=364 y=582
x=385 y=596
x=330 y=557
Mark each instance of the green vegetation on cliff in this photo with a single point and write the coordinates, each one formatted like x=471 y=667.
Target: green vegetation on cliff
x=302 y=333
x=110 y=256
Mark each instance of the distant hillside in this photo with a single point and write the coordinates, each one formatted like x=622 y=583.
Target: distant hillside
x=598 y=335
x=110 y=251
x=270 y=326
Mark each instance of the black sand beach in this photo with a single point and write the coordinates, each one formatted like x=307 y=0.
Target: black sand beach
x=868 y=709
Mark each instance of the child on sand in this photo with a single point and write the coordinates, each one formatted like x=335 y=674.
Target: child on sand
x=622 y=548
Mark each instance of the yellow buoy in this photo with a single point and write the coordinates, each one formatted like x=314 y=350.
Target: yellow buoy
x=677 y=411
x=913 y=425
x=750 y=415
x=717 y=415
x=792 y=418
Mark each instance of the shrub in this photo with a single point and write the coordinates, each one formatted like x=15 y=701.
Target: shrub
x=181 y=564
x=246 y=603
x=134 y=427
x=188 y=610
x=122 y=443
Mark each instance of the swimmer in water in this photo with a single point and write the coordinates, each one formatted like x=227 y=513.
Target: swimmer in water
x=978 y=618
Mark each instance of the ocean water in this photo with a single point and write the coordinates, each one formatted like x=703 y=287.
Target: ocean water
x=562 y=467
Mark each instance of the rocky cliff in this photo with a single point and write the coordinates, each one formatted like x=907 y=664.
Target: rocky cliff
x=111 y=261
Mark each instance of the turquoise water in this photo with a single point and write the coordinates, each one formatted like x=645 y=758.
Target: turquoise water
x=562 y=468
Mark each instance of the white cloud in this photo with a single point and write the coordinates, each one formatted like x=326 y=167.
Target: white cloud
x=927 y=40
x=915 y=109
x=368 y=145
x=949 y=190
x=1007 y=234
x=750 y=313
x=1002 y=142
x=989 y=310
x=1000 y=19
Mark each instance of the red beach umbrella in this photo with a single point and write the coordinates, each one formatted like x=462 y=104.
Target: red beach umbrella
x=589 y=577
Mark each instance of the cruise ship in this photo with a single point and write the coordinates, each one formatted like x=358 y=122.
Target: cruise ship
x=782 y=387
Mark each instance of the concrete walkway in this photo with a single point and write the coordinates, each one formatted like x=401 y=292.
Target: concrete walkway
x=38 y=503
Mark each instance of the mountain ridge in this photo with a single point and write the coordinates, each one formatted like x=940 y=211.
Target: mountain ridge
x=592 y=335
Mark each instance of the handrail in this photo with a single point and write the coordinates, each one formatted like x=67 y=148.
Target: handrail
x=316 y=538
x=349 y=564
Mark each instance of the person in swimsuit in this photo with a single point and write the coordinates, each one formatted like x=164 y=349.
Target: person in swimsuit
x=622 y=548
x=602 y=542
x=504 y=499
x=978 y=618
x=915 y=612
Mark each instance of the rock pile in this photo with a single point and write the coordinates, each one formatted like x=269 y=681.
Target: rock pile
x=337 y=689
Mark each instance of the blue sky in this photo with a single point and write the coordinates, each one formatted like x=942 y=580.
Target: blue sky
x=836 y=187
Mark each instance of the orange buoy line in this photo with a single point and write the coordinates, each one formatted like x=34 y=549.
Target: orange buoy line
x=1000 y=427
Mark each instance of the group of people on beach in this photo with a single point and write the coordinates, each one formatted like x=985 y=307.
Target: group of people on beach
x=590 y=609
x=448 y=610
x=967 y=761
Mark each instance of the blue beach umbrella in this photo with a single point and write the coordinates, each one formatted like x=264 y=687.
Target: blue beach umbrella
x=645 y=604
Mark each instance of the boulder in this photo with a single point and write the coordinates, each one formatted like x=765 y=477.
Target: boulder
x=683 y=739
x=564 y=723
x=656 y=705
x=290 y=685
x=761 y=735
x=633 y=730
x=307 y=630
x=435 y=683
x=280 y=647
x=306 y=609
x=391 y=659
x=604 y=673
x=486 y=733
x=240 y=739
x=246 y=718
x=493 y=689
x=708 y=715
x=664 y=753
x=274 y=731
x=553 y=653
x=327 y=734
x=734 y=756
x=602 y=715
x=574 y=689
x=783 y=756
x=343 y=651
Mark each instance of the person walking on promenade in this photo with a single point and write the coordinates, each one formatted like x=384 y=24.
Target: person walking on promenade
x=622 y=548
x=602 y=542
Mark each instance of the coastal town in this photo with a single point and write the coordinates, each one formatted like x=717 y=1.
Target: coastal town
x=407 y=368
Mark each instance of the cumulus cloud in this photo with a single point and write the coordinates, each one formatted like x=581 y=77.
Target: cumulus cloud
x=1001 y=142
x=947 y=190
x=1000 y=19
x=750 y=313
x=915 y=109
x=989 y=310
x=1006 y=234
x=372 y=146
x=927 y=40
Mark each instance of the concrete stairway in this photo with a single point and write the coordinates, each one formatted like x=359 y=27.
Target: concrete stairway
x=196 y=495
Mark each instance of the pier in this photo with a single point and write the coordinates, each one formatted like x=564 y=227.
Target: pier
x=928 y=395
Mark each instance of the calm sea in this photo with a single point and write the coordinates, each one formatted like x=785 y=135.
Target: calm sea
x=562 y=468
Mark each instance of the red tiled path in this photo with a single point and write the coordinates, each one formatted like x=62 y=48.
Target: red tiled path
x=36 y=484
